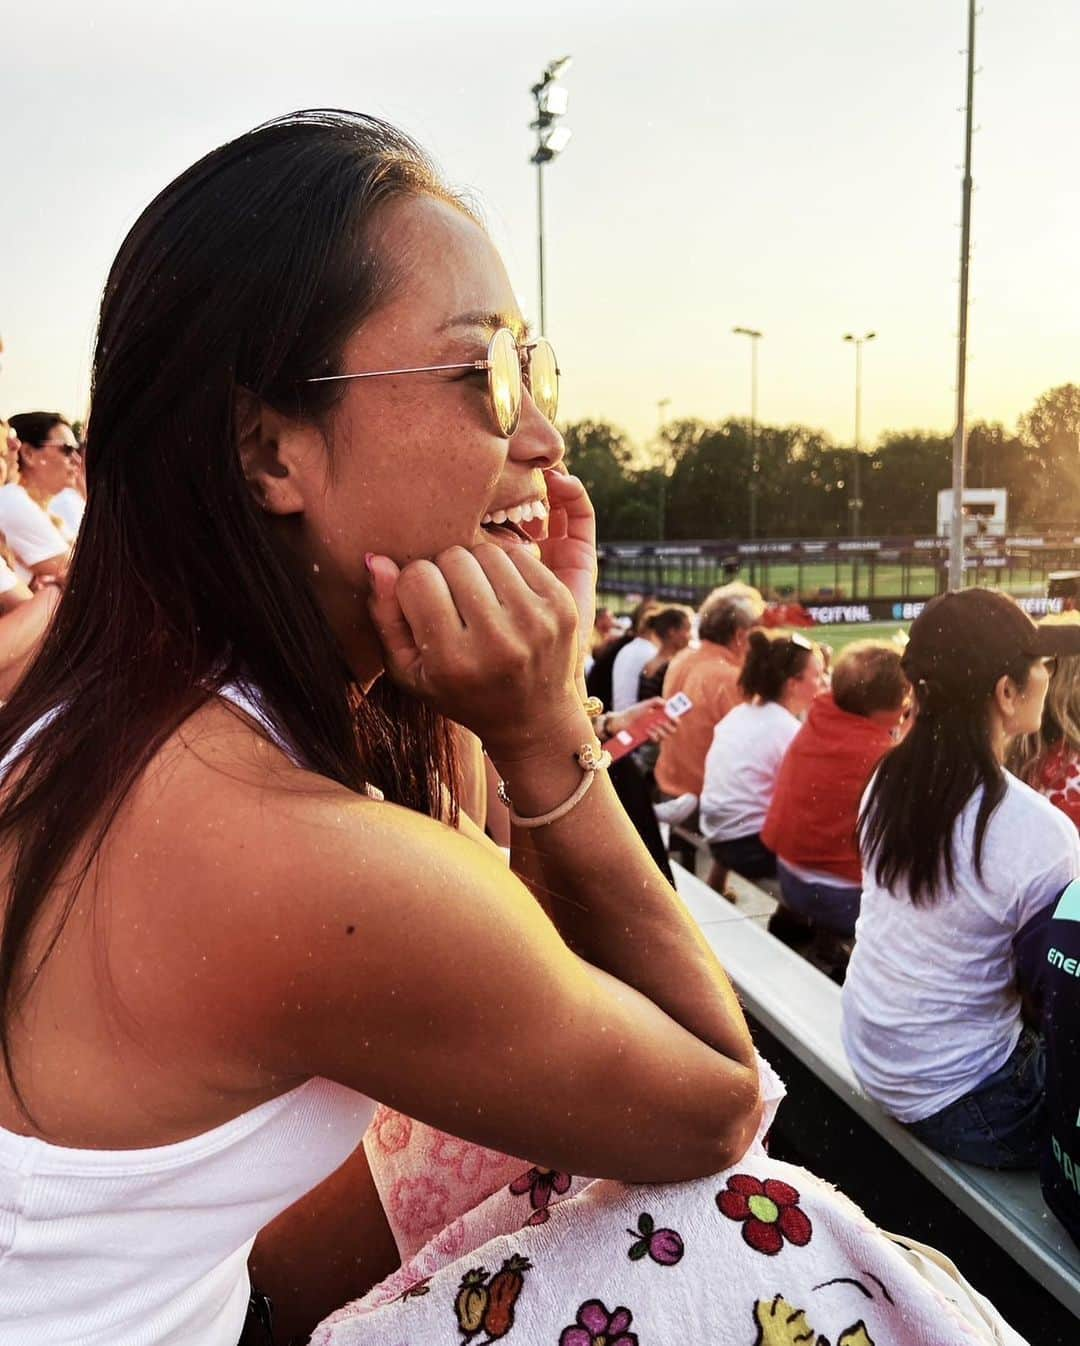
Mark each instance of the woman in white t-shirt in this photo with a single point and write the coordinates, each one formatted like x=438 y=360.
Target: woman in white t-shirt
x=962 y=864
x=39 y=539
x=782 y=674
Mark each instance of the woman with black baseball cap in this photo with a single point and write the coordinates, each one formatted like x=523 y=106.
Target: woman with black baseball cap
x=959 y=858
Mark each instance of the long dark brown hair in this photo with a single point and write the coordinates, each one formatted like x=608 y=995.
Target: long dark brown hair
x=907 y=829
x=248 y=272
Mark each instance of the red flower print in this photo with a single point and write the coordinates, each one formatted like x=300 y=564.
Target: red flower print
x=769 y=1212
x=540 y=1183
x=392 y=1130
x=596 y=1327
x=418 y=1205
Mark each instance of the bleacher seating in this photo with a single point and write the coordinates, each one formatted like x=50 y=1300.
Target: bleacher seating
x=800 y=1007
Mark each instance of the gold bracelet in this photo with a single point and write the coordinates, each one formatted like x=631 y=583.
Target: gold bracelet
x=591 y=760
x=593 y=707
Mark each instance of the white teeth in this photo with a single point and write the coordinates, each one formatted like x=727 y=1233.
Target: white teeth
x=531 y=509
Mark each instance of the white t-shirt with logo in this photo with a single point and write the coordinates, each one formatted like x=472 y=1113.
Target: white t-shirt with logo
x=741 y=768
x=30 y=533
x=930 y=1004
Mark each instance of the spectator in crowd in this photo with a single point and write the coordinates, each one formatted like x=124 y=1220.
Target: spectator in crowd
x=709 y=676
x=1060 y=1166
x=1049 y=760
x=599 y=680
x=960 y=861
x=606 y=627
x=672 y=628
x=780 y=678
x=812 y=818
x=631 y=658
x=39 y=540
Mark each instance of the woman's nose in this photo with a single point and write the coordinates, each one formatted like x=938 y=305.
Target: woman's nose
x=536 y=441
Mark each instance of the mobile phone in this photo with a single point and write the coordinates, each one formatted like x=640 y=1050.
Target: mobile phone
x=626 y=740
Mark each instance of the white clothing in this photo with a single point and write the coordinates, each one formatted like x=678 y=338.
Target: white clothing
x=741 y=768
x=132 y=1247
x=8 y=578
x=150 y=1246
x=29 y=531
x=816 y=876
x=626 y=670
x=930 y=1004
x=69 y=507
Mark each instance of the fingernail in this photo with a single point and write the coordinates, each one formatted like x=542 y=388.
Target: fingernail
x=369 y=556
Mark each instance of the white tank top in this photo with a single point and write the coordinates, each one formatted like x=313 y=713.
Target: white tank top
x=149 y=1247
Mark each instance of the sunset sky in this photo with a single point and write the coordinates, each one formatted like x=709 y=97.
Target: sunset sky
x=769 y=163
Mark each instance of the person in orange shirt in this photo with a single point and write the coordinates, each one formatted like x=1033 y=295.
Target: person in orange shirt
x=709 y=675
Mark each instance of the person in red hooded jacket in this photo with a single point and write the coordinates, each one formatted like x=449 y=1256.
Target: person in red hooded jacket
x=811 y=821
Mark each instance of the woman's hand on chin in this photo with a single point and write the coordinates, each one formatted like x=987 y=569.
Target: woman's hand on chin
x=569 y=550
x=489 y=638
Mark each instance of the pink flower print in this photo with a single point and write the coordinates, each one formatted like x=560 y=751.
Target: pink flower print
x=596 y=1327
x=392 y=1130
x=664 y=1246
x=467 y=1161
x=769 y=1212
x=540 y=1183
x=418 y=1205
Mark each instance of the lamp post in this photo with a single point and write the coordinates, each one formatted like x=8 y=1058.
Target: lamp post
x=755 y=466
x=959 y=462
x=551 y=140
x=856 y=495
x=661 y=407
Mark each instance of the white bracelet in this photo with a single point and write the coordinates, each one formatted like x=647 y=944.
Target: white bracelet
x=590 y=762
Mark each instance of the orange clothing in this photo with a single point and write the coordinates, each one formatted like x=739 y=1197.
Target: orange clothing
x=709 y=676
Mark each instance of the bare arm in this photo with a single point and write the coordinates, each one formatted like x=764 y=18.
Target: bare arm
x=21 y=631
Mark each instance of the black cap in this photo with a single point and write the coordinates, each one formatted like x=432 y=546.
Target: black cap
x=964 y=640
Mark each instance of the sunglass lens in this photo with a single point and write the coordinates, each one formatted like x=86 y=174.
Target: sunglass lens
x=504 y=380
x=544 y=379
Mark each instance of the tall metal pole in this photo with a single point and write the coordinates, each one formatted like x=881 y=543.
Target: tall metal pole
x=540 y=242
x=959 y=463
x=755 y=465
x=856 y=476
x=662 y=406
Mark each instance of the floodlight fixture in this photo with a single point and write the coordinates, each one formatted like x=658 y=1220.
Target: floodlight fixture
x=551 y=101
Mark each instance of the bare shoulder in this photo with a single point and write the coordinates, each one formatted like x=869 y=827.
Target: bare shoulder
x=252 y=885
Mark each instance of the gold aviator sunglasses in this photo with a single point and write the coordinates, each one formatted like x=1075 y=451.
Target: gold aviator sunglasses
x=511 y=369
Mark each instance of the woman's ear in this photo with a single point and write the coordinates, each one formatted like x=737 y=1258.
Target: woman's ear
x=1005 y=695
x=275 y=455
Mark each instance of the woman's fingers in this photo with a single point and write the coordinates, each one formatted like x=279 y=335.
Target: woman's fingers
x=570 y=509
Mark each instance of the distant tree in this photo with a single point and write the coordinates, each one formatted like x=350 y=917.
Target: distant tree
x=600 y=454
x=1050 y=432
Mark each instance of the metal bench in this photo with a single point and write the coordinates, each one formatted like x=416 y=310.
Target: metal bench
x=800 y=1007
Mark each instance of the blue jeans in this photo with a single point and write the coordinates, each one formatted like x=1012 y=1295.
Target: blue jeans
x=1002 y=1123
x=825 y=904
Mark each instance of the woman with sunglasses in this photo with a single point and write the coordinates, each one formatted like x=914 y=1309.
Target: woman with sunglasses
x=782 y=674
x=327 y=514
x=37 y=534
x=962 y=864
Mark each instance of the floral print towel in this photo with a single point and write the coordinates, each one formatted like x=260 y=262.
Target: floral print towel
x=762 y=1255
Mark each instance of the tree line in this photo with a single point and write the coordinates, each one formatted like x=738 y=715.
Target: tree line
x=695 y=481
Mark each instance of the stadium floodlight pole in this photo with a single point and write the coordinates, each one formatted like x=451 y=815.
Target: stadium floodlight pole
x=856 y=498
x=551 y=140
x=661 y=407
x=959 y=462
x=755 y=466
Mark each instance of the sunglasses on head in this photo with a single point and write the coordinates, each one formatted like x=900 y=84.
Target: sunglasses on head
x=512 y=368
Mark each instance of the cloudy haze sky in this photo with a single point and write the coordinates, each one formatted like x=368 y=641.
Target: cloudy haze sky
x=770 y=163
